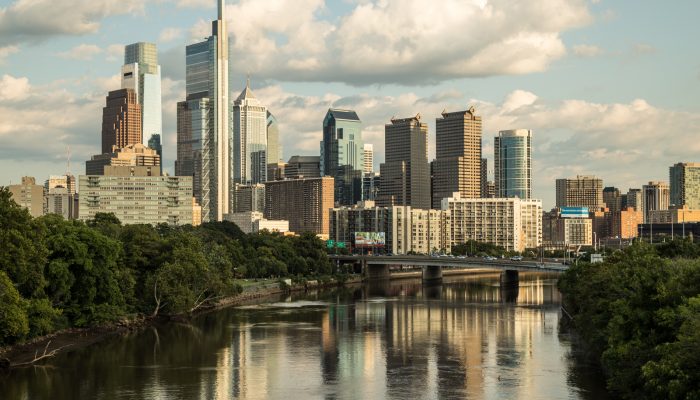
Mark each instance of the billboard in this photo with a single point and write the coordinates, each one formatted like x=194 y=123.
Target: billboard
x=370 y=239
x=574 y=212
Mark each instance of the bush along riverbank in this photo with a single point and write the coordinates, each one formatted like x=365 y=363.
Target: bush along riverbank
x=638 y=314
x=57 y=275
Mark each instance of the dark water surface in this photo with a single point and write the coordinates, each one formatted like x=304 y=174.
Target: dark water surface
x=467 y=338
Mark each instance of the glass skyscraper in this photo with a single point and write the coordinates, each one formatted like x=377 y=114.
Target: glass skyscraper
x=141 y=73
x=203 y=136
x=343 y=154
x=249 y=139
x=513 y=163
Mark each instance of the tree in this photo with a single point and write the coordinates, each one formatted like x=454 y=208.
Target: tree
x=13 y=320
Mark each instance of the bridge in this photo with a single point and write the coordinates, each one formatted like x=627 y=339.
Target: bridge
x=378 y=267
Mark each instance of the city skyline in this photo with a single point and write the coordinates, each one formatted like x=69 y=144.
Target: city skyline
x=588 y=125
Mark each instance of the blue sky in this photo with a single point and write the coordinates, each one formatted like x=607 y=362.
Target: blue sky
x=609 y=87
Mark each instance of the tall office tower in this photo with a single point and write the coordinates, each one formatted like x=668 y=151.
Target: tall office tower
x=405 y=174
x=121 y=120
x=274 y=147
x=61 y=181
x=685 y=185
x=249 y=139
x=457 y=165
x=249 y=198
x=582 y=191
x=655 y=196
x=203 y=136
x=612 y=199
x=369 y=158
x=633 y=199
x=155 y=144
x=29 y=195
x=302 y=167
x=484 y=178
x=343 y=154
x=141 y=73
x=513 y=163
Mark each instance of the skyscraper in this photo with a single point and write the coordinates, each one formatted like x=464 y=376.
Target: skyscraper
x=612 y=199
x=457 y=166
x=274 y=147
x=655 y=196
x=141 y=73
x=249 y=139
x=369 y=158
x=155 y=144
x=204 y=140
x=405 y=174
x=484 y=178
x=582 y=191
x=121 y=120
x=343 y=154
x=685 y=185
x=513 y=163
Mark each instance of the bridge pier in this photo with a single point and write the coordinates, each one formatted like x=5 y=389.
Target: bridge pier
x=432 y=274
x=510 y=285
x=377 y=271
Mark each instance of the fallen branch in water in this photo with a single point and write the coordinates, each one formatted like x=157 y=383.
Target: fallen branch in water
x=45 y=354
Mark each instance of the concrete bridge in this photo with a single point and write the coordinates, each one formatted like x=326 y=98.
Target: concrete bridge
x=378 y=267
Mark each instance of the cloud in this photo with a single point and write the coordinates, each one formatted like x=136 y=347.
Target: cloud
x=31 y=21
x=81 y=52
x=115 y=52
x=643 y=48
x=398 y=41
x=169 y=34
x=6 y=51
x=195 y=4
x=587 y=50
x=13 y=89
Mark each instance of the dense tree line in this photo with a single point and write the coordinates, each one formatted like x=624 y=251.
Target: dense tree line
x=639 y=315
x=56 y=274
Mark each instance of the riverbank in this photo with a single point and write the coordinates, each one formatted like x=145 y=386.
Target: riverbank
x=22 y=354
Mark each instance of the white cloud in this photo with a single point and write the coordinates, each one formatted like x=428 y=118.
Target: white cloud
x=37 y=20
x=195 y=4
x=13 y=89
x=81 y=52
x=115 y=52
x=643 y=48
x=587 y=50
x=169 y=34
x=6 y=51
x=399 y=41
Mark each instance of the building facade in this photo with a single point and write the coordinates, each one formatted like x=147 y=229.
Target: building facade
x=305 y=203
x=582 y=191
x=369 y=158
x=343 y=154
x=121 y=120
x=612 y=199
x=249 y=139
x=303 y=167
x=656 y=195
x=137 y=199
x=248 y=198
x=253 y=221
x=457 y=165
x=29 y=195
x=405 y=174
x=141 y=73
x=513 y=163
x=274 y=146
x=204 y=140
x=132 y=155
x=685 y=185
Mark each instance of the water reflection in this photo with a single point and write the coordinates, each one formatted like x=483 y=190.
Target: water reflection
x=467 y=338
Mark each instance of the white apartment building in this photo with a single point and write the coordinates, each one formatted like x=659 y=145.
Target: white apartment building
x=254 y=221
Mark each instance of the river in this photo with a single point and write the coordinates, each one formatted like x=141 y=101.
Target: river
x=467 y=338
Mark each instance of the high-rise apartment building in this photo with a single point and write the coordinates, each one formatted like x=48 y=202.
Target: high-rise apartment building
x=60 y=201
x=484 y=177
x=249 y=198
x=29 y=195
x=132 y=155
x=655 y=196
x=203 y=135
x=303 y=167
x=249 y=139
x=369 y=158
x=457 y=165
x=121 y=120
x=582 y=191
x=65 y=181
x=405 y=173
x=513 y=163
x=305 y=203
x=633 y=199
x=685 y=185
x=343 y=154
x=141 y=73
x=135 y=197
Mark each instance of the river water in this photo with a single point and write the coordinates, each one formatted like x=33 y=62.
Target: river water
x=467 y=338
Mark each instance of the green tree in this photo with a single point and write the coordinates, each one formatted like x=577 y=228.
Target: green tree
x=13 y=319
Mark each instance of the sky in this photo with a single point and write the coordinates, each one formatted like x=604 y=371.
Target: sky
x=609 y=87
